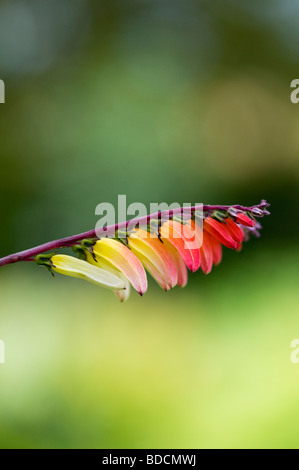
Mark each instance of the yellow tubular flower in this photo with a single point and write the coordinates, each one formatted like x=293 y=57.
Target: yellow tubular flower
x=74 y=267
x=124 y=294
x=118 y=256
x=155 y=257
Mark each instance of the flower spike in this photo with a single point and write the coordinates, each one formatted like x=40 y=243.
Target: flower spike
x=166 y=247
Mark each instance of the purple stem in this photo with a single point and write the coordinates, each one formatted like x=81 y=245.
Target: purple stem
x=28 y=255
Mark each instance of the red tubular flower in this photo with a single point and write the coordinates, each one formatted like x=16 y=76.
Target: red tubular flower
x=234 y=230
x=207 y=254
x=219 y=231
x=217 y=249
x=184 y=240
x=205 y=250
x=244 y=220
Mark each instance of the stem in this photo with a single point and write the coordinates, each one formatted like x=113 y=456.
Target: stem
x=28 y=255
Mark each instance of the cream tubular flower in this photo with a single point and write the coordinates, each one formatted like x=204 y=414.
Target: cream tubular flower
x=74 y=267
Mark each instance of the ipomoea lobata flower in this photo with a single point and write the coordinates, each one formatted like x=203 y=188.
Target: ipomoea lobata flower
x=118 y=256
x=122 y=294
x=166 y=249
x=155 y=257
x=219 y=232
x=180 y=266
x=244 y=220
x=74 y=267
x=184 y=240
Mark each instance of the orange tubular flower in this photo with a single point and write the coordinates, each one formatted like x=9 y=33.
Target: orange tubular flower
x=207 y=254
x=217 y=250
x=120 y=257
x=155 y=257
x=205 y=250
x=219 y=231
x=183 y=238
x=166 y=255
x=179 y=263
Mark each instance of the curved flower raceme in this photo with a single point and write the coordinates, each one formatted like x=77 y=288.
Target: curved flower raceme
x=167 y=251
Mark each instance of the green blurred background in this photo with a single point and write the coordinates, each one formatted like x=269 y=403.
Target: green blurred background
x=161 y=100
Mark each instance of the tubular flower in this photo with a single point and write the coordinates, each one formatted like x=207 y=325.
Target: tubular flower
x=210 y=249
x=205 y=246
x=118 y=256
x=167 y=253
x=183 y=238
x=122 y=294
x=217 y=250
x=155 y=257
x=207 y=255
x=234 y=230
x=244 y=220
x=75 y=267
x=181 y=269
x=219 y=231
